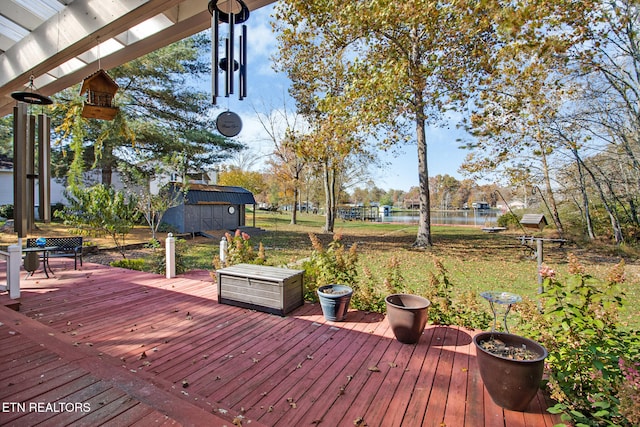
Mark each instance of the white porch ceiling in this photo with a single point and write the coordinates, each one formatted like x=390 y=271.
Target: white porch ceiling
x=60 y=42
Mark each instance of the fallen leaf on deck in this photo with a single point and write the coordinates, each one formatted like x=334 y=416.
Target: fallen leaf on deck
x=374 y=369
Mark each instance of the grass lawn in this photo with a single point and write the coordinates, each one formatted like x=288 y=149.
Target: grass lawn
x=476 y=261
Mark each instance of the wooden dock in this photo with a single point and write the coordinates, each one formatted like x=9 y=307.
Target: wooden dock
x=109 y=346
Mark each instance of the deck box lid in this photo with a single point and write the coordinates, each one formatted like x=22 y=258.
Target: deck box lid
x=260 y=271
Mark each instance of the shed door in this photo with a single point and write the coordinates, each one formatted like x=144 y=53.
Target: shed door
x=211 y=218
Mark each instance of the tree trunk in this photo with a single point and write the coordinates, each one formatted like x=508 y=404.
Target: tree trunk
x=552 y=200
x=294 y=212
x=330 y=197
x=615 y=224
x=585 y=197
x=107 y=164
x=423 y=239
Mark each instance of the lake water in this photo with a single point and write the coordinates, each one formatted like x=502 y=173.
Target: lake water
x=458 y=217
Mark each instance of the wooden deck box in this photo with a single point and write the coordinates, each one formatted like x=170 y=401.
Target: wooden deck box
x=263 y=288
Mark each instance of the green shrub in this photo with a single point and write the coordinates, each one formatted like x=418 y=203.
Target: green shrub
x=369 y=294
x=158 y=262
x=444 y=309
x=333 y=264
x=589 y=348
x=508 y=220
x=138 y=264
x=6 y=211
x=55 y=208
x=240 y=250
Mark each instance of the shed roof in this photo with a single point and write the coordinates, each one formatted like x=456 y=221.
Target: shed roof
x=206 y=194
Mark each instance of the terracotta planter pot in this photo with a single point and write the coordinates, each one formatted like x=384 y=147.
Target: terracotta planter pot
x=510 y=383
x=407 y=315
x=334 y=300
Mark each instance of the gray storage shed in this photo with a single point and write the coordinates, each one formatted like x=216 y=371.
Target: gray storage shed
x=210 y=207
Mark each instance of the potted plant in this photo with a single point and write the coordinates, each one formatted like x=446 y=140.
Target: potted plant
x=511 y=367
x=407 y=315
x=334 y=300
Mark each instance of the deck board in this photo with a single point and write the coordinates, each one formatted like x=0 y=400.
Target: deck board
x=143 y=350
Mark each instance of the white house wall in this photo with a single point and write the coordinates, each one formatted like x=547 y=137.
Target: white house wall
x=6 y=189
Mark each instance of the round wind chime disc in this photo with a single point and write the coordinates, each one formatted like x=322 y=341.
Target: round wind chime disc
x=224 y=65
x=229 y=124
x=31 y=98
x=225 y=8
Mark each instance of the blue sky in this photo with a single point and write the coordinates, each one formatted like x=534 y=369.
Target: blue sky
x=265 y=87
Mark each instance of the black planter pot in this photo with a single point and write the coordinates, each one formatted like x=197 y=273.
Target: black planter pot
x=334 y=300
x=408 y=316
x=510 y=383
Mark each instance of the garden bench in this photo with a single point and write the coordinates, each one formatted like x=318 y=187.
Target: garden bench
x=70 y=247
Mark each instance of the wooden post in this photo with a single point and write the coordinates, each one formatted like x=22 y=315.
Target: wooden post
x=13 y=271
x=170 y=255
x=540 y=257
x=223 y=251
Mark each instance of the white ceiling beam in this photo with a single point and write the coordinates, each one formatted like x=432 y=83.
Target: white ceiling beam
x=74 y=30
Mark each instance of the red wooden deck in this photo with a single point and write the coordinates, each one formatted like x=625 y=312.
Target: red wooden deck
x=119 y=347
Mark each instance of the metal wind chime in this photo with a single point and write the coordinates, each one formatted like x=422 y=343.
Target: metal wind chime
x=230 y=12
x=24 y=160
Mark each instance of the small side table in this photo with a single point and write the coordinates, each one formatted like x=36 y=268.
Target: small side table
x=32 y=261
x=502 y=298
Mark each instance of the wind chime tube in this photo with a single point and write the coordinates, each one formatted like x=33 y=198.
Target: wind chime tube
x=20 y=169
x=31 y=175
x=44 y=168
x=243 y=63
x=240 y=79
x=214 y=57
x=231 y=57
x=227 y=73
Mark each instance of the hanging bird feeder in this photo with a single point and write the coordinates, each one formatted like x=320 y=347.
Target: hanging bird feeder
x=100 y=91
